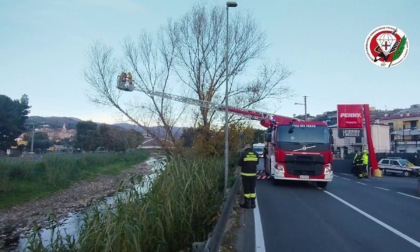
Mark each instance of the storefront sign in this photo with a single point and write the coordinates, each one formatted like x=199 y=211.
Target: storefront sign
x=342 y=133
x=350 y=116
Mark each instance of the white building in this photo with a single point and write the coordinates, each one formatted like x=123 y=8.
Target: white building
x=406 y=141
x=348 y=145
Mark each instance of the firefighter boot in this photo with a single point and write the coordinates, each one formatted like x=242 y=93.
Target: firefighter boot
x=253 y=203
x=246 y=204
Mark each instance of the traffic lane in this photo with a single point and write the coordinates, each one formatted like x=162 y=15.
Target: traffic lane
x=401 y=184
x=400 y=211
x=301 y=217
x=404 y=185
x=396 y=183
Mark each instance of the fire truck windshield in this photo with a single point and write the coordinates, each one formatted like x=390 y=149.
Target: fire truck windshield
x=312 y=137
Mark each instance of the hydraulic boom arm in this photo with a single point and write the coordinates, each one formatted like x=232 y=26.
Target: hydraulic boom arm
x=266 y=119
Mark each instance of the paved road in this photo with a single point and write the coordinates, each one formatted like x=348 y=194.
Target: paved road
x=374 y=214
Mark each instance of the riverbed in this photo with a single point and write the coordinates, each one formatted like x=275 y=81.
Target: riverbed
x=66 y=205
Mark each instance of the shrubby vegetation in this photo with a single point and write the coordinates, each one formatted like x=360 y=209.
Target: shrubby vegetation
x=180 y=207
x=91 y=136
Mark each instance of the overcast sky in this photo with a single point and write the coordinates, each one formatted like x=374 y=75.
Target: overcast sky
x=44 y=45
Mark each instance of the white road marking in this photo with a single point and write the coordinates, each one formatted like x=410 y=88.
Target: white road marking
x=361 y=183
x=408 y=195
x=337 y=176
x=382 y=188
x=395 y=231
x=259 y=236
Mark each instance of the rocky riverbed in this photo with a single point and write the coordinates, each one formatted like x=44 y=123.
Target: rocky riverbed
x=19 y=219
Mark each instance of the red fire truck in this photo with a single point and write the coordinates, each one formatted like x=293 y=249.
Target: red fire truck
x=294 y=149
x=300 y=151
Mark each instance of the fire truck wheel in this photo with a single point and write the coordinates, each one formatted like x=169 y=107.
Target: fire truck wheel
x=322 y=184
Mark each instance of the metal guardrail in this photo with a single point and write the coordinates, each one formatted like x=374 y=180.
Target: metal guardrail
x=215 y=240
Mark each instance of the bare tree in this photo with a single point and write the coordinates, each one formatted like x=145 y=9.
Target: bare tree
x=101 y=75
x=200 y=59
x=187 y=57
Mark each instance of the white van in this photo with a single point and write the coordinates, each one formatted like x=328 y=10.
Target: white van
x=259 y=149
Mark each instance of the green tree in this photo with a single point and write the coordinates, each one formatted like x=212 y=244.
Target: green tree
x=13 y=114
x=259 y=136
x=105 y=133
x=131 y=139
x=90 y=136
x=116 y=139
x=188 y=135
x=87 y=137
x=41 y=142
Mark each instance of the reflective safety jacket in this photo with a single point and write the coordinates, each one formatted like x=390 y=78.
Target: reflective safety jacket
x=365 y=158
x=355 y=158
x=248 y=161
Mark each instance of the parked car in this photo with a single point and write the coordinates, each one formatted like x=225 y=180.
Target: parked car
x=259 y=149
x=401 y=166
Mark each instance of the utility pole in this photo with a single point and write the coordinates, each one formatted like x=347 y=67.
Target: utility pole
x=304 y=104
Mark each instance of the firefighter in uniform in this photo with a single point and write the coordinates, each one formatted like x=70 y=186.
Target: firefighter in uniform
x=362 y=161
x=248 y=162
x=354 y=167
x=365 y=158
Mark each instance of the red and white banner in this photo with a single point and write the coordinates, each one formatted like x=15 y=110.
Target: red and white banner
x=349 y=116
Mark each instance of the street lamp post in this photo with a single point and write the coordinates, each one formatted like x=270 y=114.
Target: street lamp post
x=228 y=5
x=304 y=103
x=33 y=134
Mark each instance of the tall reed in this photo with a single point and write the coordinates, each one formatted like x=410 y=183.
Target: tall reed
x=180 y=207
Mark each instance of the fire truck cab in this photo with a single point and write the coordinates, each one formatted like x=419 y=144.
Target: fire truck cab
x=300 y=151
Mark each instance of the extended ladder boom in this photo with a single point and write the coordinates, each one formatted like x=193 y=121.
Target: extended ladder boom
x=266 y=119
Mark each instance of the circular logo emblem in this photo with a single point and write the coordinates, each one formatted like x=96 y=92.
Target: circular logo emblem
x=386 y=46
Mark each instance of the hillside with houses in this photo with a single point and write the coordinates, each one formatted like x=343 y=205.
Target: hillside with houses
x=397 y=129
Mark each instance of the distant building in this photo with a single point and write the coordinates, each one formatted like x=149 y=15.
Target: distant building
x=406 y=141
x=348 y=145
x=396 y=131
x=404 y=129
x=54 y=134
x=403 y=119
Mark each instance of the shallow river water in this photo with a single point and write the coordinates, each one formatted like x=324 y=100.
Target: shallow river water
x=73 y=222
